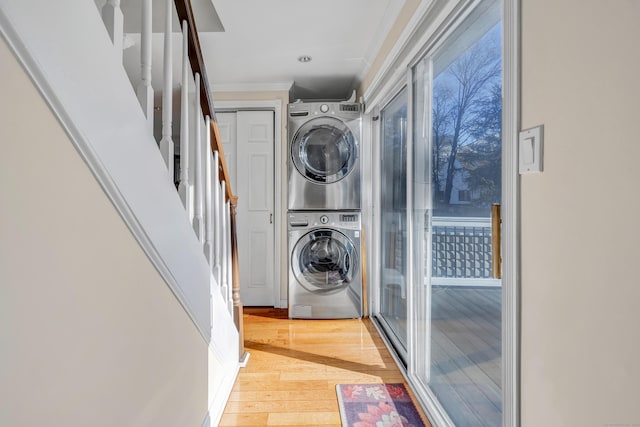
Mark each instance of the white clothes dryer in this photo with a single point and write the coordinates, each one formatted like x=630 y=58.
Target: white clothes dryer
x=325 y=275
x=324 y=155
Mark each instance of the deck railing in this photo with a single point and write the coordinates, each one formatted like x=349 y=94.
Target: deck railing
x=201 y=174
x=461 y=250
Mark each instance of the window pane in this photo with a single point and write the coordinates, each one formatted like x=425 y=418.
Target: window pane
x=393 y=298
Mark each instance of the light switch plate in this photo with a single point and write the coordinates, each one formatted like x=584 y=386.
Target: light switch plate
x=530 y=150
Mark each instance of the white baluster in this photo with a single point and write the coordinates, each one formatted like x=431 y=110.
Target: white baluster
x=217 y=223
x=223 y=243
x=145 y=90
x=208 y=208
x=114 y=22
x=166 y=144
x=183 y=187
x=229 y=259
x=197 y=166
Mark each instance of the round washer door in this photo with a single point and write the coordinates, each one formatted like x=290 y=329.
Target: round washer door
x=324 y=150
x=324 y=261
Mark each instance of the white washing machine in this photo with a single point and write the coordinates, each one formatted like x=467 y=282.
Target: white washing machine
x=324 y=155
x=325 y=274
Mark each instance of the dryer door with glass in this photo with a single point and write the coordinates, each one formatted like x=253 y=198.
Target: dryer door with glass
x=324 y=150
x=324 y=261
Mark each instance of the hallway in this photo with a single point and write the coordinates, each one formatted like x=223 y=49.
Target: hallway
x=295 y=365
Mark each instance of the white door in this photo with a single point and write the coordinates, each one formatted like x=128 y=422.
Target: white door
x=251 y=166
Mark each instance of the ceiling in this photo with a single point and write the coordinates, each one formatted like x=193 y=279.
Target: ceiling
x=254 y=45
x=263 y=39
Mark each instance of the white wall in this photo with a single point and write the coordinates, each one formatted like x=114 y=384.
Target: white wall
x=90 y=334
x=580 y=230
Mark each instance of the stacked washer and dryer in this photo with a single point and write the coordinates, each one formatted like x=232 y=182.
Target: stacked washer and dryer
x=323 y=219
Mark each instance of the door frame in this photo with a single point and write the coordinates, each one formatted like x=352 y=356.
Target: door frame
x=276 y=107
x=422 y=32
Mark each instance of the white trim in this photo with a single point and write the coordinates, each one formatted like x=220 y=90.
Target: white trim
x=98 y=169
x=252 y=87
x=465 y=282
x=511 y=215
x=412 y=330
x=374 y=279
x=445 y=221
x=276 y=106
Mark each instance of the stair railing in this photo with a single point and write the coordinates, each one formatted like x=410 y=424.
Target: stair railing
x=202 y=178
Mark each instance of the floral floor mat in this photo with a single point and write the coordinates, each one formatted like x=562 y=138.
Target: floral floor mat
x=377 y=405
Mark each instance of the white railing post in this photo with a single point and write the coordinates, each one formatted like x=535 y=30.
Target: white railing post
x=197 y=165
x=166 y=144
x=208 y=208
x=223 y=244
x=145 y=90
x=217 y=222
x=114 y=22
x=183 y=187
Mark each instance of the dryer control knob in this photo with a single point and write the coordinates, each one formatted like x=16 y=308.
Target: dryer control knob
x=324 y=219
x=324 y=108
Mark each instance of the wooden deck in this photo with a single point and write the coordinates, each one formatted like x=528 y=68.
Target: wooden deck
x=295 y=365
x=466 y=354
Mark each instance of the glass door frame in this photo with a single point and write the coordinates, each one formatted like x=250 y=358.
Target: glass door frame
x=376 y=303
x=384 y=91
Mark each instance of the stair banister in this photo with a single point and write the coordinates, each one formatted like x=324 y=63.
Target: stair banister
x=208 y=200
x=185 y=12
x=227 y=257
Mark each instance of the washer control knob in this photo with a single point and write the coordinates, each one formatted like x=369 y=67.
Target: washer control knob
x=324 y=108
x=324 y=219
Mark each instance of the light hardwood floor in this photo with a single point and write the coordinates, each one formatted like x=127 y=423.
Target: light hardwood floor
x=295 y=365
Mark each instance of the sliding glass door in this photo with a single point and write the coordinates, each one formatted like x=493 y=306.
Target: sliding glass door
x=440 y=291
x=393 y=221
